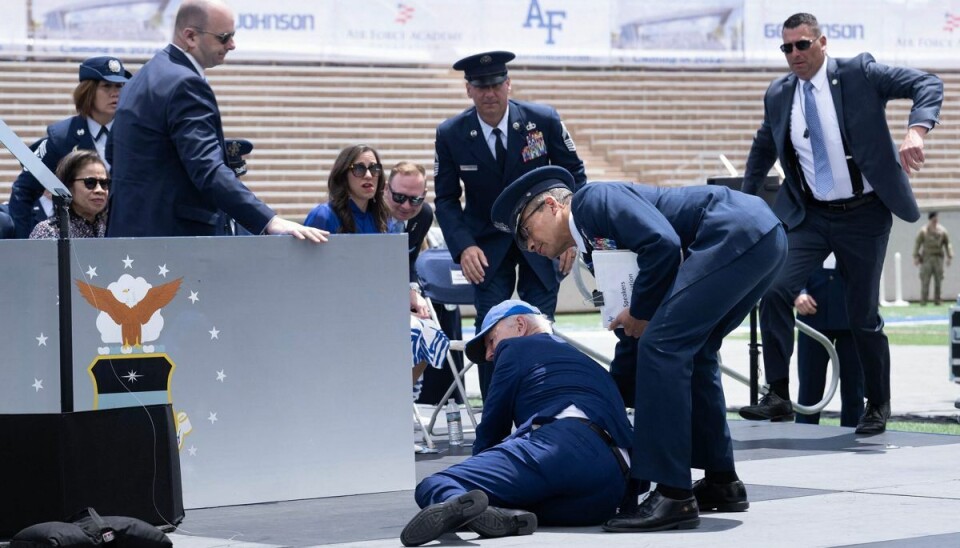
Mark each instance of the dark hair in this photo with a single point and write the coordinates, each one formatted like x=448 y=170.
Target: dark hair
x=72 y=163
x=807 y=19
x=931 y=215
x=84 y=96
x=338 y=189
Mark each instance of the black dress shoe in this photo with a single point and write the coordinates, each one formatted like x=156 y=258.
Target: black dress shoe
x=874 y=419
x=497 y=522
x=721 y=497
x=771 y=407
x=437 y=519
x=656 y=513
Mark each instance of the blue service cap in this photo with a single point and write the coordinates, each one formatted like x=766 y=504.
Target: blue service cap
x=485 y=69
x=509 y=205
x=475 y=349
x=236 y=149
x=109 y=69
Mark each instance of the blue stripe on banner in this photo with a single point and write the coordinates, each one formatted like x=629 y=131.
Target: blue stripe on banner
x=132 y=399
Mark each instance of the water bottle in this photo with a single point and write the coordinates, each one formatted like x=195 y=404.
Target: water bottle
x=454 y=426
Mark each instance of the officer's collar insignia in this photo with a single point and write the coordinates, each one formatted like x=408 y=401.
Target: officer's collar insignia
x=473 y=133
x=80 y=132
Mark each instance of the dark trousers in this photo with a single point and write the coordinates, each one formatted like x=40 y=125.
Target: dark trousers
x=681 y=414
x=498 y=286
x=858 y=239
x=563 y=472
x=436 y=381
x=812 y=359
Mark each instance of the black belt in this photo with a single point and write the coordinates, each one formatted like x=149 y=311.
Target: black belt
x=608 y=439
x=844 y=205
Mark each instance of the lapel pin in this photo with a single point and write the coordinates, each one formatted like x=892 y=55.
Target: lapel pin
x=834 y=81
x=531 y=126
x=473 y=133
x=80 y=131
x=516 y=126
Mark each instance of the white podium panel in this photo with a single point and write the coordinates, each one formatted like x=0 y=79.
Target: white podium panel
x=287 y=363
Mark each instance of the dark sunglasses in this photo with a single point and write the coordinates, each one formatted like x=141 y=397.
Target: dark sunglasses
x=801 y=45
x=358 y=170
x=223 y=37
x=401 y=198
x=92 y=182
x=522 y=233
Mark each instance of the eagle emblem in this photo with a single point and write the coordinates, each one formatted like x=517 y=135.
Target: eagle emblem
x=130 y=304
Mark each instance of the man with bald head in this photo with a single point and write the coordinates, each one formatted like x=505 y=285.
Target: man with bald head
x=170 y=176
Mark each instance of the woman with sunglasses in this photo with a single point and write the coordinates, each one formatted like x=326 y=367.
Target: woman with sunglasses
x=95 y=98
x=355 y=187
x=85 y=175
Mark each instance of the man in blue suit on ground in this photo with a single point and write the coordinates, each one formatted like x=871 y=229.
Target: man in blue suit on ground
x=486 y=147
x=705 y=255
x=168 y=155
x=566 y=464
x=826 y=123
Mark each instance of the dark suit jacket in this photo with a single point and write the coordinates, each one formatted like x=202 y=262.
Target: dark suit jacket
x=462 y=154
x=861 y=88
x=827 y=288
x=416 y=230
x=709 y=226
x=6 y=224
x=168 y=160
x=62 y=138
x=538 y=376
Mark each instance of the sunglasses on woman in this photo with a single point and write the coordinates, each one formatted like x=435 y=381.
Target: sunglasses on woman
x=359 y=169
x=801 y=45
x=92 y=182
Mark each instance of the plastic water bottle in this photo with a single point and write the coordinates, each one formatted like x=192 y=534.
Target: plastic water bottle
x=454 y=425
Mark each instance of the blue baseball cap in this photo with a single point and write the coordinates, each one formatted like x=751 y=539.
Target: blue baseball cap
x=507 y=208
x=475 y=349
x=485 y=69
x=106 y=68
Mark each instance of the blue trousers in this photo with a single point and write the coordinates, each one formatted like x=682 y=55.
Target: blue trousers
x=563 y=472
x=681 y=414
x=498 y=286
x=812 y=359
x=858 y=239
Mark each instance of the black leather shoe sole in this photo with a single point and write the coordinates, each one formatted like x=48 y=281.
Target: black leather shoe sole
x=691 y=523
x=500 y=522
x=437 y=519
x=720 y=498
x=764 y=415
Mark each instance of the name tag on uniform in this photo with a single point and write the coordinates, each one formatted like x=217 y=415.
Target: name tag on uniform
x=468 y=168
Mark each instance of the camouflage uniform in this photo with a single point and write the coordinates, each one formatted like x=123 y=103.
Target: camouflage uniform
x=928 y=251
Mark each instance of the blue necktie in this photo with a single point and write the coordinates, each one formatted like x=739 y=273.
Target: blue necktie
x=821 y=162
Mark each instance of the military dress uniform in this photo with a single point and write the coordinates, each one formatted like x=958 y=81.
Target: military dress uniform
x=535 y=137
x=930 y=248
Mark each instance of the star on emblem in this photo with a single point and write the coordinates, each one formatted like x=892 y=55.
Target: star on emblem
x=214 y=333
x=192 y=450
x=163 y=270
x=92 y=272
x=37 y=384
x=194 y=297
x=41 y=340
x=132 y=376
x=127 y=263
x=221 y=375
x=212 y=418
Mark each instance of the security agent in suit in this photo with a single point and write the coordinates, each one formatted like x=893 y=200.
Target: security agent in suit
x=826 y=123
x=486 y=147
x=95 y=99
x=705 y=255
x=567 y=461
x=821 y=306
x=168 y=153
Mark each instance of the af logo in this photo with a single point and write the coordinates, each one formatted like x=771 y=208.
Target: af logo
x=127 y=372
x=549 y=19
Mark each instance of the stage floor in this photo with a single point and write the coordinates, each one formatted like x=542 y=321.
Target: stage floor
x=808 y=486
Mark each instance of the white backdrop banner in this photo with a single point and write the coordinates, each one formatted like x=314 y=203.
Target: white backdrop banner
x=924 y=33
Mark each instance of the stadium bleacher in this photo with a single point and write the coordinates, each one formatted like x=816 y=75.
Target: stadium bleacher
x=643 y=124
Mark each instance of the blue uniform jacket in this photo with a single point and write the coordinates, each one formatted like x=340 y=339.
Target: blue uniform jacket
x=62 y=138
x=861 y=88
x=462 y=154
x=168 y=161
x=703 y=225
x=538 y=376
